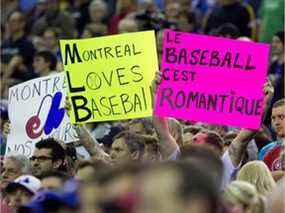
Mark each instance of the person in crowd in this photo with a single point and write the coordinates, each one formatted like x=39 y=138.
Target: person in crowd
x=172 y=12
x=36 y=13
x=127 y=146
x=7 y=9
x=48 y=156
x=86 y=170
x=188 y=132
x=124 y=7
x=141 y=126
x=128 y=25
x=187 y=22
x=13 y=167
x=227 y=30
x=144 y=126
x=177 y=187
x=54 y=17
x=53 y=180
x=16 y=50
x=271 y=153
x=209 y=138
x=258 y=174
x=97 y=14
x=22 y=190
x=241 y=196
x=234 y=12
x=50 y=38
x=45 y=63
x=203 y=155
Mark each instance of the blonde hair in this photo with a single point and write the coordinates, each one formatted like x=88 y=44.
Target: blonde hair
x=98 y=4
x=241 y=192
x=258 y=174
x=128 y=25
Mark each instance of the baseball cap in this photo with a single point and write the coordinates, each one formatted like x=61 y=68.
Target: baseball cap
x=29 y=182
x=48 y=201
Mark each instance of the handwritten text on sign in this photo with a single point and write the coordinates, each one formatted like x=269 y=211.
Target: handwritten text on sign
x=213 y=80
x=109 y=77
x=36 y=111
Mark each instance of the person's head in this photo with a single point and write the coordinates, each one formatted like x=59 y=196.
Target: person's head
x=242 y=197
x=189 y=132
x=258 y=174
x=172 y=11
x=97 y=10
x=16 y=22
x=203 y=155
x=187 y=22
x=141 y=126
x=53 y=181
x=44 y=61
x=21 y=190
x=209 y=138
x=115 y=189
x=278 y=43
x=50 y=37
x=127 y=146
x=176 y=187
x=48 y=156
x=128 y=25
x=86 y=170
x=13 y=167
x=228 y=30
x=278 y=118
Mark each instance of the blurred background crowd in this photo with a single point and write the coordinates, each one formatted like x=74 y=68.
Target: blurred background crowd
x=151 y=164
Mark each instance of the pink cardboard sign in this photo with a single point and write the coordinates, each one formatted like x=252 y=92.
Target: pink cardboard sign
x=212 y=80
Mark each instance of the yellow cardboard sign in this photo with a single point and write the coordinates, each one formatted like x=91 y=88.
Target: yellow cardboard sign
x=109 y=78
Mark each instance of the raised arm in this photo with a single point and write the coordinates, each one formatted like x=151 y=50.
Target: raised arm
x=168 y=144
x=237 y=148
x=90 y=143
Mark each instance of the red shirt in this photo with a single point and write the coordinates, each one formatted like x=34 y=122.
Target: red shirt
x=273 y=159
